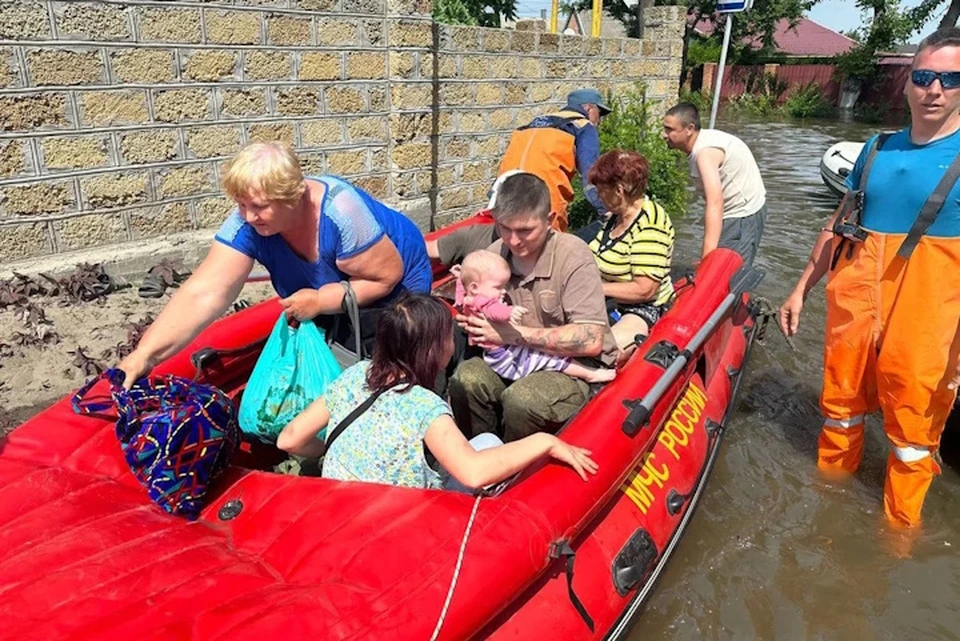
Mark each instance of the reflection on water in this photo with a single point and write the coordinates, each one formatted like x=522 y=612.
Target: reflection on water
x=774 y=551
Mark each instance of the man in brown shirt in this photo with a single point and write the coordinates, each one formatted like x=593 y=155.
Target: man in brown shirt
x=554 y=276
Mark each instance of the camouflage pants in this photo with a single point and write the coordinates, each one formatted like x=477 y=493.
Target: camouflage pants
x=540 y=402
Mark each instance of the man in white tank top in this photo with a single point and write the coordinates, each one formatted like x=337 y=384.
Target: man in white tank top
x=727 y=176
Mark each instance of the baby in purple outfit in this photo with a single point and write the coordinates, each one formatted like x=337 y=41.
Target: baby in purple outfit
x=481 y=286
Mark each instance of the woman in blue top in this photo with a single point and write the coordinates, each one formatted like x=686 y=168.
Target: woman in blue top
x=310 y=233
x=385 y=444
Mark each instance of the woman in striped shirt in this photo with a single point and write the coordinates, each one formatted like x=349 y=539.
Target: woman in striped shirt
x=634 y=247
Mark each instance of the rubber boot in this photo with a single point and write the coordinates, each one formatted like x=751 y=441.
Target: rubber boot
x=840 y=449
x=906 y=487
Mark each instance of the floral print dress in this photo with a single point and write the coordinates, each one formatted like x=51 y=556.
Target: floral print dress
x=385 y=443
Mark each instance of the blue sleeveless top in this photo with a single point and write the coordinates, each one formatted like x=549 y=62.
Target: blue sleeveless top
x=351 y=221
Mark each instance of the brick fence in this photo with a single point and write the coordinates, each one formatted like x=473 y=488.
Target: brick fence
x=117 y=116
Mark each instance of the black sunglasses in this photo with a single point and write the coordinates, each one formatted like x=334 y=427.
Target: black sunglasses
x=925 y=78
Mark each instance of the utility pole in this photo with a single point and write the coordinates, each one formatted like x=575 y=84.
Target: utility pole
x=728 y=7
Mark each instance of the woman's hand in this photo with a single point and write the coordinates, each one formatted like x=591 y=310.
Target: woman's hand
x=135 y=366
x=789 y=314
x=576 y=457
x=302 y=305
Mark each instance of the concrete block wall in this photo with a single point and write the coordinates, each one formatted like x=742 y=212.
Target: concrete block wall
x=479 y=84
x=117 y=116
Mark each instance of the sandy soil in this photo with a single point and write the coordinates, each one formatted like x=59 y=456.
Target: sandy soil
x=31 y=378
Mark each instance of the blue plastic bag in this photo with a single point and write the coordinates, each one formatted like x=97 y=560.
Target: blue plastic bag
x=293 y=369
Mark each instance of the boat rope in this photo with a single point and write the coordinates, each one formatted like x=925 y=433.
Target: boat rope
x=456 y=570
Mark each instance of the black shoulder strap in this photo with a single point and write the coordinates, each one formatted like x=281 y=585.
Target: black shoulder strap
x=871 y=156
x=354 y=415
x=851 y=207
x=930 y=209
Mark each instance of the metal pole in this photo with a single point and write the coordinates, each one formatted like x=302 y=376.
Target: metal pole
x=640 y=19
x=723 y=62
x=596 y=18
x=554 y=15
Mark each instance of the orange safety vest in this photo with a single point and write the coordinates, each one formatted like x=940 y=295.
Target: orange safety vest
x=549 y=153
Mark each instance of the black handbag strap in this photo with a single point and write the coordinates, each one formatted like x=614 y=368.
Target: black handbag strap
x=354 y=415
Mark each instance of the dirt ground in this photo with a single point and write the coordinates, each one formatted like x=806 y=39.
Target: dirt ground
x=34 y=376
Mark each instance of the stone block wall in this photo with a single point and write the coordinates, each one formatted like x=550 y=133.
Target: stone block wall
x=117 y=116
x=479 y=84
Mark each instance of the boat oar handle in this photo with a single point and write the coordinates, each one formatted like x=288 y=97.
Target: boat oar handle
x=637 y=417
x=641 y=410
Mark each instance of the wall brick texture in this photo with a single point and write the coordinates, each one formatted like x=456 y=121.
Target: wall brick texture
x=116 y=118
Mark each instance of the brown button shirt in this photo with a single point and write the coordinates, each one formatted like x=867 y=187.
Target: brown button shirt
x=563 y=289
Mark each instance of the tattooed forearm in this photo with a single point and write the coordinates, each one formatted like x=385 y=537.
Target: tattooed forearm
x=567 y=340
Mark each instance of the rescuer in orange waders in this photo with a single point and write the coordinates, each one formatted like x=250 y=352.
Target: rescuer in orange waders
x=892 y=251
x=558 y=145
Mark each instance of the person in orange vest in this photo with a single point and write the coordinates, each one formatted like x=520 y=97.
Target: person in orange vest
x=891 y=252
x=557 y=146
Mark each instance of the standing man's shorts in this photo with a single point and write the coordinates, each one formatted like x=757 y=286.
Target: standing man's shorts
x=742 y=235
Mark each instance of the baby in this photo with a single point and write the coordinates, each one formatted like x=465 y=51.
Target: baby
x=481 y=286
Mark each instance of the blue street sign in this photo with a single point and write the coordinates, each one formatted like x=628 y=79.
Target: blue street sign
x=733 y=6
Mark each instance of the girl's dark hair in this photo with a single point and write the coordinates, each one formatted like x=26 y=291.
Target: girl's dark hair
x=412 y=334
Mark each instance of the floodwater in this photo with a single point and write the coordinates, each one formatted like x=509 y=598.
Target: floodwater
x=774 y=550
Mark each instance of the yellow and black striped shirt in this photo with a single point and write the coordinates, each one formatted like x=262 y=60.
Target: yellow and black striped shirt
x=644 y=249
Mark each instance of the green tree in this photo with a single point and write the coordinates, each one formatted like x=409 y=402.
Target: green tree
x=452 y=12
x=486 y=13
x=887 y=27
x=922 y=13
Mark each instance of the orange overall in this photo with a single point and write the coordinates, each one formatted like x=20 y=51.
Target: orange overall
x=891 y=344
x=892 y=323
x=548 y=152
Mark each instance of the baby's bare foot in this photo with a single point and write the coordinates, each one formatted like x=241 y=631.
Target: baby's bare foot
x=602 y=376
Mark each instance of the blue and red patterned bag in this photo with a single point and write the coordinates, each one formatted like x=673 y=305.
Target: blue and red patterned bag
x=177 y=435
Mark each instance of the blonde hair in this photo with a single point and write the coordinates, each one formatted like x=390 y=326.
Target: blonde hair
x=476 y=265
x=269 y=168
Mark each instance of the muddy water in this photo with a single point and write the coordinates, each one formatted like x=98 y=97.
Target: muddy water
x=775 y=551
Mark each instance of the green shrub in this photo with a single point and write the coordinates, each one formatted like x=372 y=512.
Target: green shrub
x=703 y=50
x=871 y=114
x=631 y=125
x=697 y=99
x=452 y=12
x=808 y=102
x=753 y=105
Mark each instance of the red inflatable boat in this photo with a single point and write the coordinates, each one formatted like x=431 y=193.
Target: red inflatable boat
x=85 y=555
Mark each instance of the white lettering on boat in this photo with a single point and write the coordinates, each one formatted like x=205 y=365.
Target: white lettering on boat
x=675 y=436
